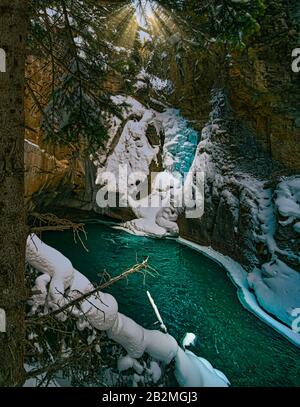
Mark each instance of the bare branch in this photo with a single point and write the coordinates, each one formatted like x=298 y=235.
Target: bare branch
x=138 y=267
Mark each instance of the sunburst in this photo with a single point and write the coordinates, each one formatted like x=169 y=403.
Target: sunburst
x=142 y=19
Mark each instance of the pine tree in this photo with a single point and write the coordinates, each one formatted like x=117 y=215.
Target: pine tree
x=13 y=27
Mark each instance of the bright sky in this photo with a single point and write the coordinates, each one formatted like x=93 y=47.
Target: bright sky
x=145 y=10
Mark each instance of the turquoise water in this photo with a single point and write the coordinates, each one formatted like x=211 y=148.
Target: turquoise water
x=181 y=142
x=193 y=294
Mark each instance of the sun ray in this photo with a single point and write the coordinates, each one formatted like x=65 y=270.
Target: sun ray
x=145 y=19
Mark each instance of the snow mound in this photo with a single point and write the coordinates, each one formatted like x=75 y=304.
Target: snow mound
x=277 y=289
x=193 y=371
x=288 y=198
x=157 y=84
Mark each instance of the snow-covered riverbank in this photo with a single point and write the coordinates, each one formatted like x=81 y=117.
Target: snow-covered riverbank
x=247 y=298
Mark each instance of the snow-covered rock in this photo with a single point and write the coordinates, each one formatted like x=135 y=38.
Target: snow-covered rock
x=48 y=260
x=277 y=289
x=288 y=198
x=193 y=371
x=128 y=167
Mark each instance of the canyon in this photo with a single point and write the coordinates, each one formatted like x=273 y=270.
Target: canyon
x=242 y=109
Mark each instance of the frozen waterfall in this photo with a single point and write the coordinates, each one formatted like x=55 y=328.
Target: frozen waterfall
x=157 y=209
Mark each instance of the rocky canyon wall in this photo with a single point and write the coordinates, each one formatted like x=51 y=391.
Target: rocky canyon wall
x=262 y=88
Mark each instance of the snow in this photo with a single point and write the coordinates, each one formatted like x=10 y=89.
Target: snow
x=46 y=260
x=130 y=160
x=157 y=84
x=155 y=371
x=188 y=340
x=160 y=346
x=114 y=125
x=127 y=169
x=139 y=85
x=80 y=285
x=101 y=311
x=40 y=286
x=127 y=362
x=247 y=298
x=133 y=149
x=277 y=289
x=132 y=105
x=156 y=214
x=117 y=49
x=193 y=371
x=34 y=382
x=288 y=198
x=297 y=227
x=265 y=216
x=275 y=284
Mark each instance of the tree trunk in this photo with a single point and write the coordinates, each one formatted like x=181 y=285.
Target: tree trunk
x=13 y=32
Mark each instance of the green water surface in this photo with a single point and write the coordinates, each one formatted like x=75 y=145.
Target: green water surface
x=193 y=294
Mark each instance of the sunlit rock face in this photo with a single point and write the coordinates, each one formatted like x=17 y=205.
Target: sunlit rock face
x=42 y=170
x=52 y=171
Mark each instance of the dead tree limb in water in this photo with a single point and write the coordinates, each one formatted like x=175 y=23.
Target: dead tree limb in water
x=50 y=222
